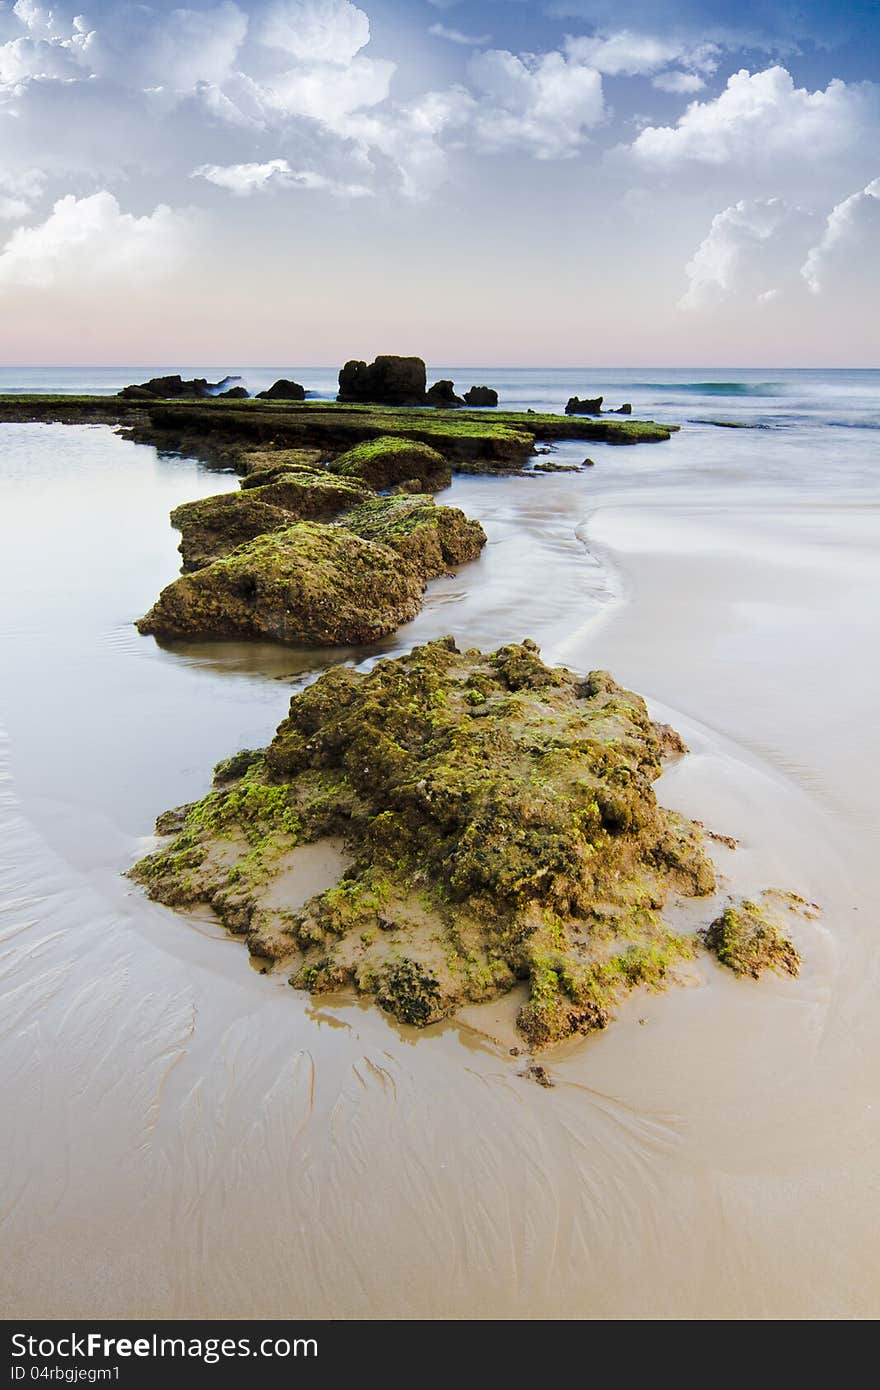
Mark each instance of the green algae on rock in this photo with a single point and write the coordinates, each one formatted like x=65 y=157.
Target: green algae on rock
x=748 y=942
x=214 y=526
x=432 y=539
x=502 y=826
x=309 y=584
x=388 y=461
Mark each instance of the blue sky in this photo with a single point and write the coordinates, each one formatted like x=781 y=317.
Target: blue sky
x=495 y=181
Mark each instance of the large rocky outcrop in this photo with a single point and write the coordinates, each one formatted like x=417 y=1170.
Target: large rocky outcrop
x=501 y=824
x=387 y=381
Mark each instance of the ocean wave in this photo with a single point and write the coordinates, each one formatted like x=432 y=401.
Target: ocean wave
x=714 y=388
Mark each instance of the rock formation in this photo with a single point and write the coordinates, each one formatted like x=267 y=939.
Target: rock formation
x=387 y=381
x=283 y=390
x=442 y=395
x=501 y=825
x=481 y=396
x=576 y=406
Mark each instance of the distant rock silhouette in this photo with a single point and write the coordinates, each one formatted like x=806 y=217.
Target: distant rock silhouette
x=386 y=381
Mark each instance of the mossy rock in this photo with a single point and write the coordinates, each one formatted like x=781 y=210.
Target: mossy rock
x=275 y=462
x=307 y=584
x=748 y=942
x=502 y=826
x=386 y=462
x=432 y=539
x=214 y=526
x=311 y=495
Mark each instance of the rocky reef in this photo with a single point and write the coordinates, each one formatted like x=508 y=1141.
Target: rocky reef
x=499 y=823
x=576 y=406
x=256 y=567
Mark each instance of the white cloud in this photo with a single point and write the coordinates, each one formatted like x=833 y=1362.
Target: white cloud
x=752 y=250
x=849 y=249
x=761 y=120
x=145 y=47
x=542 y=103
x=631 y=54
x=90 y=241
x=440 y=31
x=330 y=94
x=245 y=179
x=316 y=31
x=678 y=82
x=18 y=192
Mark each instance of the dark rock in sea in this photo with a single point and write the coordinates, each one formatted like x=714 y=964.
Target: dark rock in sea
x=481 y=395
x=501 y=822
x=283 y=390
x=576 y=406
x=235 y=393
x=387 y=381
x=166 y=388
x=442 y=395
x=624 y=409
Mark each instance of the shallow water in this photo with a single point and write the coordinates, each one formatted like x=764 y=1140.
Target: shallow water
x=186 y=1137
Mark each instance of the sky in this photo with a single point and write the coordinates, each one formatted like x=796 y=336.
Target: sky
x=507 y=182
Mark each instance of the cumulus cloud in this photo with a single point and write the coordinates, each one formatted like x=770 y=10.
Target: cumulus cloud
x=633 y=54
x=761 y=119
x=751 y=251
x=542 y=103
x=245 y=179
x=441 y=31
x=316 y=31
x=849 y=248
x=91 y=241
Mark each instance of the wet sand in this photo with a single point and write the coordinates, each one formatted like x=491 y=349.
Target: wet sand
x=188 y=1138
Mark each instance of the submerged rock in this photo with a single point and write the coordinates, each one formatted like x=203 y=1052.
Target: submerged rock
x=586 y=407
x=387 y=381
x=501 y=824
x=388 y=461
x=308 y=584
x=481 y=395
x=748 y=942
x=442 y=395
x=283 y=390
